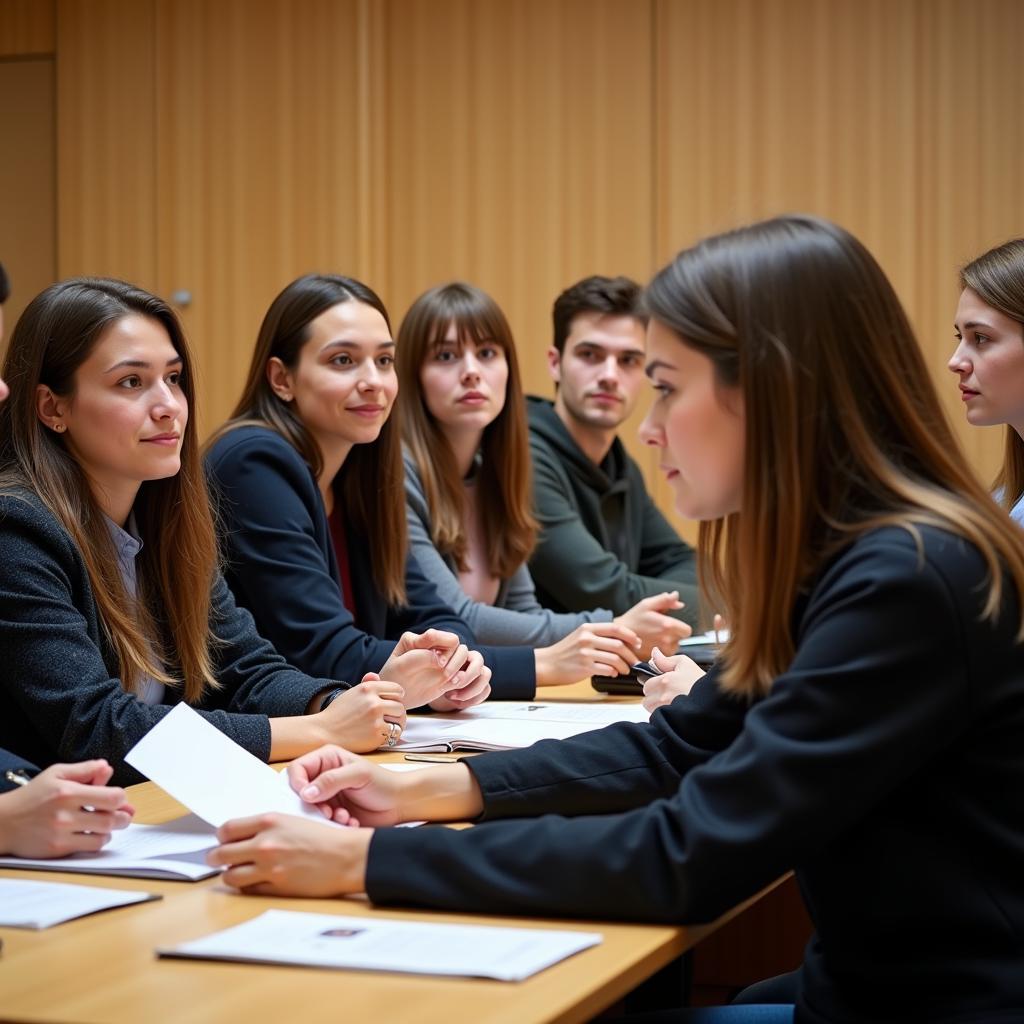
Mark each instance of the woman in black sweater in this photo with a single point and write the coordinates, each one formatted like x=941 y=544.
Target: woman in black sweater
x=863 y=726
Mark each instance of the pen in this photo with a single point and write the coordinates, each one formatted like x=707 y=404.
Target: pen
x=433 y=758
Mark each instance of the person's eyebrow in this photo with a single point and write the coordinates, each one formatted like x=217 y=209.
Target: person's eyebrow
x=140 y=364
x=974 y=323
x=657 y=364
x=356 y=344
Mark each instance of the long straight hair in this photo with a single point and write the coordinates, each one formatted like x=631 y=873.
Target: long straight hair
x=370 y=484
x=843 y=430
x=505 y=487
x=168 y=624
x=997 y=276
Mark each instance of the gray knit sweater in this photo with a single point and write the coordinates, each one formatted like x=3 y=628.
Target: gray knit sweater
x=516 y=617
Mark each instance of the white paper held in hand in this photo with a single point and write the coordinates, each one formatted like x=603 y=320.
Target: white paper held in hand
x=212 y=775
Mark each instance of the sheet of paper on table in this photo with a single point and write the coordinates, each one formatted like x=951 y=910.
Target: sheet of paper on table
x=373 y=944
x=43 y=904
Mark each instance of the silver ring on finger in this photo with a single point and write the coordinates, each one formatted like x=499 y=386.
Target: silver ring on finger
x=394 y=732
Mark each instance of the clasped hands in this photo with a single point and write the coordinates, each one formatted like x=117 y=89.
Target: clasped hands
x=435 y=668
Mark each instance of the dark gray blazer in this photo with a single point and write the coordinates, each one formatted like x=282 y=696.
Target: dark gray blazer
x=60 y=695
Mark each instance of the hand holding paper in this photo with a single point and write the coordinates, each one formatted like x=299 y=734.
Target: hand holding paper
x=210 y=774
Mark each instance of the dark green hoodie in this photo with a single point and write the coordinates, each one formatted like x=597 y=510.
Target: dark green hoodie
x=603 y=543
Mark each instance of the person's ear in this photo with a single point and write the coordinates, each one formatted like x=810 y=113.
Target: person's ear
x=279 y=377
x=555 y=364
x=50 y=409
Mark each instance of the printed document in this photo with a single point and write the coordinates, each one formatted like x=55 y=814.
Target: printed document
x=372 y=944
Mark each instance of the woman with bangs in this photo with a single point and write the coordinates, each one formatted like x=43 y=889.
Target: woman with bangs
x=308 y=474
x=469 y=500
x=112 y=606
x=862 y=726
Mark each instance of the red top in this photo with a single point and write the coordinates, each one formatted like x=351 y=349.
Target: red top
x=340 y=545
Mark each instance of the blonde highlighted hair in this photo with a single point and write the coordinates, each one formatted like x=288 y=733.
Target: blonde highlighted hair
x=843 y=430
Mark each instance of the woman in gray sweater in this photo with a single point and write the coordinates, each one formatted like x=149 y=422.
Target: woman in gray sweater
x=468 y=497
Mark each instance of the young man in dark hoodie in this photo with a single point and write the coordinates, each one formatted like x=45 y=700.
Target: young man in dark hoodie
x=603 y=542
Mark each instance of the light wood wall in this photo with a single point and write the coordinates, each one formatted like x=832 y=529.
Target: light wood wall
x=224 y=146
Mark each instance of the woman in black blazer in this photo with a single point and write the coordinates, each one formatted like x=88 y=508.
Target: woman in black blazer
x=70 y=808
x=308 y=473
x=112 y=606
x=863 y=726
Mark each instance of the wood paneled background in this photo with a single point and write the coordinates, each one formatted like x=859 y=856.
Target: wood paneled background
x=222 y=147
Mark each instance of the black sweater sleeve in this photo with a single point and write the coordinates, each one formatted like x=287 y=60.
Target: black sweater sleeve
x=669 y=834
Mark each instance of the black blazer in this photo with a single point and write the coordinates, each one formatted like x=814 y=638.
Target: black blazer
x=60 y=695
x=281 y=566
x=11 y=763
x=886 y=766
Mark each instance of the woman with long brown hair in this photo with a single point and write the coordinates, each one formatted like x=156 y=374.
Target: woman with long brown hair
x=308 y=476
x=989 y=358
x=469 y=499
x=112 y=606
x=863 y=725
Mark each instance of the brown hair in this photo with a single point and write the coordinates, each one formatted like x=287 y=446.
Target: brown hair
x=506 y=494
x=997 y=276
x=170 y=621
x=844 y=432
x=370 y=483
x=608 y=296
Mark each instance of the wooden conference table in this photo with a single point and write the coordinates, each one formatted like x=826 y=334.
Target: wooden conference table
x=102 y=969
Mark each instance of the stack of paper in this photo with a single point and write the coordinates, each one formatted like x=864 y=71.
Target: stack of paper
x=373 y=944
x=42 y=904
x=501 y=726
x=175 y=850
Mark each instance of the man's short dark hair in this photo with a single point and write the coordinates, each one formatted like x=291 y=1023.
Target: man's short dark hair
x=5 y=285
x=611 y=296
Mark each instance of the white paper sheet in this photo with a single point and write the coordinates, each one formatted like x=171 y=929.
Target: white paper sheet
x=175 y=850
x=372 y=944
x=43 y=904
x=501 y=726
x=211 y=774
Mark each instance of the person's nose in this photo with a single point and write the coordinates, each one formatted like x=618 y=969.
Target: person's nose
x=651 y=431
x=959 y=362
x=470 y=368
x=609 y=376
x=168 y=404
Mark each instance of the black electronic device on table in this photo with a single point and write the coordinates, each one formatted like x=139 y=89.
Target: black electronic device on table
x=702 y=649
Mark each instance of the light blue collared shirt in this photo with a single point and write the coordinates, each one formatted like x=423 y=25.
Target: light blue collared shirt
x=128 y=544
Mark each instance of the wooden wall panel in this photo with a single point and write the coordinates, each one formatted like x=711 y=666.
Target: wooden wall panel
x=258 y=162
x=519 y=138
x=867 y=113
x=223 y=147
x=28 y=188
x=27 y=28
x=106 y=134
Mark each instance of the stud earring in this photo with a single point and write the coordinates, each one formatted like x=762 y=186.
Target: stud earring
x=59 y=427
